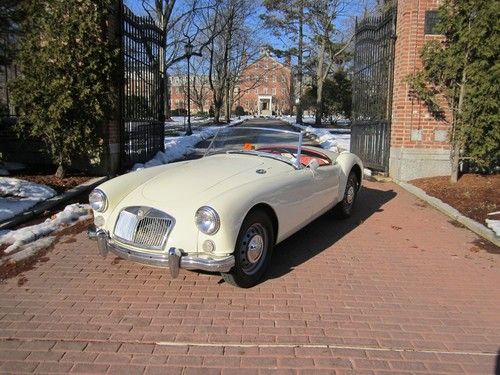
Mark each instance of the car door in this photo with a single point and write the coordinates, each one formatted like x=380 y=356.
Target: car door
x=324 y=187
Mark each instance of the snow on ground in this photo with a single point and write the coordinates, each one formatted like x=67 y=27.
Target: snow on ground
x=494 y=225
x=178 y=147
x=17 y=196
x=182 y=120
x=333 y=142
x=25 y=242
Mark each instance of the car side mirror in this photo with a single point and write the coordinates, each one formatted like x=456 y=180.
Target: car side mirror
x=313 y=165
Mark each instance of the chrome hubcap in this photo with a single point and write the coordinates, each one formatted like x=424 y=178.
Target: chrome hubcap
x=255 y=248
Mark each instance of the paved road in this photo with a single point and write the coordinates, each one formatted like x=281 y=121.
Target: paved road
x=397 y=288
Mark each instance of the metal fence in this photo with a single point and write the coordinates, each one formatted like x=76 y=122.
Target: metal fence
x=143 y=91
x=372 y=89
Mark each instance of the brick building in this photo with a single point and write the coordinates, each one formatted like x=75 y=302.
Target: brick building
x=419 y=144
x=266 y=87
x=201 y=95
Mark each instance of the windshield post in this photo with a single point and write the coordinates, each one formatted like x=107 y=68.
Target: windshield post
x=212 y=142
x=299 y=150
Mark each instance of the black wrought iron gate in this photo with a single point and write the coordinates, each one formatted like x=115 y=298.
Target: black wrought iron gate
x=372 y=89
x=143 y=89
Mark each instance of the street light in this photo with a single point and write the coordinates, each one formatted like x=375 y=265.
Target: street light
x=188 y=48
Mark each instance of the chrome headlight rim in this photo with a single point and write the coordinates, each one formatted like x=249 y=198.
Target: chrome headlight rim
x=98 y=200
x=207 y=220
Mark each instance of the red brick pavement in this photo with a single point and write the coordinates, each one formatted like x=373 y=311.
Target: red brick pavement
x=395 y=289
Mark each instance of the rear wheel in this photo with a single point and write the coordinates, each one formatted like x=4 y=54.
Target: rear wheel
x=253 y=251
x=343 y=209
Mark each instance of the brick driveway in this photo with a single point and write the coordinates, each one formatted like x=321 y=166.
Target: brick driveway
x=395 y=289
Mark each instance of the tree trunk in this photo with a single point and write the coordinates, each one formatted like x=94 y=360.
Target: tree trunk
x=228 y=103
x=300 y=111
x=457 y=118
x=61 y=171
x=217 y=111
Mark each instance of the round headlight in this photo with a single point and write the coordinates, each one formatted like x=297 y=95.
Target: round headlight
x=207 y=220
x=98 y=201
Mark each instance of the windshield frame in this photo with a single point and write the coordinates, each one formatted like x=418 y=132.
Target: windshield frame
x=296 y=164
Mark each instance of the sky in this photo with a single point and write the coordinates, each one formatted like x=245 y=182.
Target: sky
x=345 y=21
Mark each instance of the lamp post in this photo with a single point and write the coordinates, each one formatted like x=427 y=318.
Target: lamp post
x=188 y=48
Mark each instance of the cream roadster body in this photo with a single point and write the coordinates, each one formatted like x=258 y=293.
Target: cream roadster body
x=225 y=211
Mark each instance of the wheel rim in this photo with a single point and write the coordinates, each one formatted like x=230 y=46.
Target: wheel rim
x=350 y=194
x=253 y=248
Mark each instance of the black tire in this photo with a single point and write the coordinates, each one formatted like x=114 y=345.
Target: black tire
x=343 y=209
x=251 y=263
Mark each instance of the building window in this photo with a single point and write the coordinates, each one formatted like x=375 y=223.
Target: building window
x=431 y=21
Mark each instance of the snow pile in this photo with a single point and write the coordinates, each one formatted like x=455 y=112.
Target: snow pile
x=327 y=140
x=25 y=242
x=494 y=225
x=179 y=147
x=17 y=196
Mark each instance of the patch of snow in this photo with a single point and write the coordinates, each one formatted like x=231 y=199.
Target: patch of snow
x=493 y=224
x=28 y=250
x=367 y=172
x=20 y=238
x=18 y=195
x=327 y=140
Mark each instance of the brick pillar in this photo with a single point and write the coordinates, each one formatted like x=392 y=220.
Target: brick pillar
x=112 y=133
x=419 y=143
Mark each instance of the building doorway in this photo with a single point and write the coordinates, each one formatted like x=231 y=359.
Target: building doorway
x=265 y=105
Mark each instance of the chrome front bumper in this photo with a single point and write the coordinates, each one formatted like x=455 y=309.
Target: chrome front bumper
x=174 y=259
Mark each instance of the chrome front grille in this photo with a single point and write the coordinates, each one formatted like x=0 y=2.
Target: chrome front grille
x=143 y=227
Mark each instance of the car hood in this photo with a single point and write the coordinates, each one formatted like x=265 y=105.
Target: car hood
x=207 y=176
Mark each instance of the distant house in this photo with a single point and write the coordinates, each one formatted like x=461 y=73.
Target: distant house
x=266 y=87
x=201 y=95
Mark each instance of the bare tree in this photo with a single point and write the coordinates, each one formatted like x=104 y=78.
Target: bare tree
x=225 y=52
x=179 y=23
x=327 y=50
x=290 y=18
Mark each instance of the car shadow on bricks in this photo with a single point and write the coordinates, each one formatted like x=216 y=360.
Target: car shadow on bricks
x=324 y=232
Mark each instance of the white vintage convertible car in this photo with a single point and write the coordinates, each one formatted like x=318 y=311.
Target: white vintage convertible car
x=224 y=212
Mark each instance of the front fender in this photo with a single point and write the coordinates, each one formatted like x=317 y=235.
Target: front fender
x=347 y=161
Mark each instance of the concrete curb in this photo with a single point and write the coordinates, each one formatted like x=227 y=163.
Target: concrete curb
x=52 y=202
x=472 y=225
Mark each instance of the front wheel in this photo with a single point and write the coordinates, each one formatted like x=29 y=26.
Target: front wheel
x=252 y=252
x=343 y=209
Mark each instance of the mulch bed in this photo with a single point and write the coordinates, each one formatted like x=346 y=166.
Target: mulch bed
x=473 y=195
x=60 y=185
